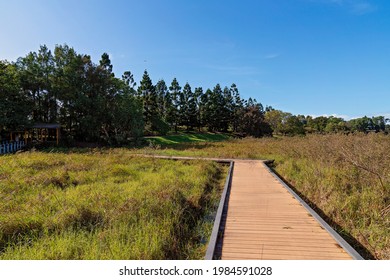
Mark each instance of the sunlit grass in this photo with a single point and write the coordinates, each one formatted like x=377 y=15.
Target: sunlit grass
x=105 y=205
x=186 y=138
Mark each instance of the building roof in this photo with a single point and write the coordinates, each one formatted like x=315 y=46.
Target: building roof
x=47 y=125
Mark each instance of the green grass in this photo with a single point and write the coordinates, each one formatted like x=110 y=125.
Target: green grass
x=105 y=204
x=173 y=140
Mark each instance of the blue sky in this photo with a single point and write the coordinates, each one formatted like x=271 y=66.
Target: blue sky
x=316 y=57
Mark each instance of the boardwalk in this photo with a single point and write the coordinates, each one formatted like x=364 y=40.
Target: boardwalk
x=264 y=221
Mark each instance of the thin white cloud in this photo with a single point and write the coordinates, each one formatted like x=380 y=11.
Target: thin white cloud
x=345 y=117
x=271 y=55
x=356 y=7
x=235 y=70
x=362 y=8
x=348 y=117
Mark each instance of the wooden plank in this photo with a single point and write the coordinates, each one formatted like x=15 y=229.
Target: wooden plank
x=264 y=221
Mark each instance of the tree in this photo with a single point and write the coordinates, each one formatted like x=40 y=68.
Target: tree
x=198 y=95
x=335 y=125
x=162 y=94
x=228 y=109
x=253 y=122
x=379 y=123
x=184 y=112
x=173 y=109
x=275 y=119
x=204 y=108
x=127 y=121
x=293 y=126
x=15 y=108
x=238 y=107
x=215 y=109
x=317 y=124
x=128 y=79
x=148 y=96
x=35 y=72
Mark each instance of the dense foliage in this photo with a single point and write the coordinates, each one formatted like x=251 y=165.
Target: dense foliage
x=287 y=124
x=93 y=105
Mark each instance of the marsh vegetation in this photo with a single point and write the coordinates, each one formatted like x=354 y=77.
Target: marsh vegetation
x=106 y=205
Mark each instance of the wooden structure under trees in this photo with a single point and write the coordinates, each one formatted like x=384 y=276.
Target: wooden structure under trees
x=39 y=133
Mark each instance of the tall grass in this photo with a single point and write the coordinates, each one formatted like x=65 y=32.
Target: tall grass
x=105 y=205
x=347 y=177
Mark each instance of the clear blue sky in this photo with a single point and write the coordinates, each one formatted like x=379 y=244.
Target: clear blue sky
x=317 y=57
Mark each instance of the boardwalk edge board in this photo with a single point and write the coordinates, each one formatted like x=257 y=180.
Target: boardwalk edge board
x=218 y=218
x=344 y=244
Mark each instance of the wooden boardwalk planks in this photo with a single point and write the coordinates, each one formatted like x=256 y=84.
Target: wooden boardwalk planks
x=264 y=221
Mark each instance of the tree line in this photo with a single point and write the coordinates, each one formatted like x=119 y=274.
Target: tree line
x=284 y=123
x=93 y=105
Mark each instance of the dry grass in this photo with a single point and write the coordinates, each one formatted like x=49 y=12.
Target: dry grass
x=347 y=177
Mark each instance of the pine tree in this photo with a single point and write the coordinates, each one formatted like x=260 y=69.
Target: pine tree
x=228 y=108
x=184 y=113
x=173 y=110
x=162 y=94
x=238 y=107
x=147 y=94
x=198 y=95
x=216 y=108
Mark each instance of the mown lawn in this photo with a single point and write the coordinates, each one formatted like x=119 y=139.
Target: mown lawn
x=106 y=205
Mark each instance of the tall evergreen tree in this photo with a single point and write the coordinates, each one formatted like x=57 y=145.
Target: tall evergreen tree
x=128 y=79
x=216 y=108
x=148 y=96
x=228 y=109
x=173 y=110
x=238 y=107
x=204 y=108
x=184 y=113
x=198 y=95
x=162 y=92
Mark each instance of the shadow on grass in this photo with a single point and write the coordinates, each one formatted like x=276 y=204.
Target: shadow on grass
x=360 y=248
x=180 y=142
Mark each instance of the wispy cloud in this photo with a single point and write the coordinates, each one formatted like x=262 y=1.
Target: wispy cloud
x=362 y=8
x=356 y=7
x=271 y=55
x=345 y=117
x=348 y=117
x=233 y=70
